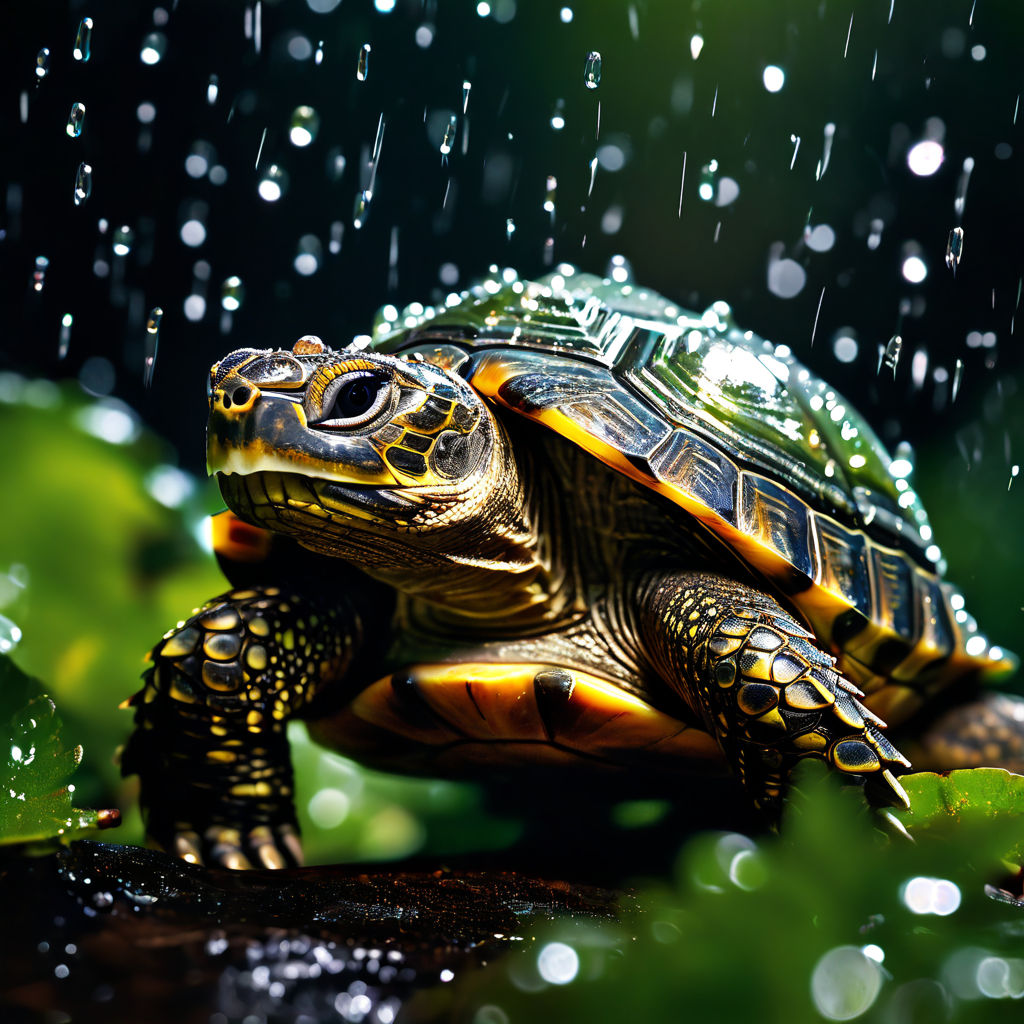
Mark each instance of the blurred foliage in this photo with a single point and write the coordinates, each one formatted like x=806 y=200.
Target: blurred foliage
x=35 y=799
x=829 y=920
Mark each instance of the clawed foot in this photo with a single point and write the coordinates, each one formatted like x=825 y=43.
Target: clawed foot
x=224 y=847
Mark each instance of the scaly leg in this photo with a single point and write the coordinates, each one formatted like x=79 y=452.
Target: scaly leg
x=763 y=687
x=210 y=744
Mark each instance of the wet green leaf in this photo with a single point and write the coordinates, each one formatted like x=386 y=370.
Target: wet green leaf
x=37 y=765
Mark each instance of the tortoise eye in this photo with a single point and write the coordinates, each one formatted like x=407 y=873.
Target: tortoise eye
x=354 y=399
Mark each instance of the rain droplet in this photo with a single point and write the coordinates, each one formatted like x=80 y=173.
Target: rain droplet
x=558 y=117
x=958 y=374
x=363 y=64
x=550 y=190
x=152 y=342
x=83 y=40
x=696 y=45
x=124 y=238
x=449 y=135
x=361 y=208
x=466 y=86
x=830 y=133
x=83 y=183
x=795 y=139
x=305 y=124
x=954 y=248
x=875 y=237
x=318 y=57
x=232 y=291
x=154 y=46
x=273 y=184
x=43 y=62
x=212 y=89
x=10 y=635
x=592 y=70
x=308 y=256
x=960 y=201
x=708 y=183
x=510 y=228
x=891 y=356
x=39 y=274
x=75 y=120
x=65 y=335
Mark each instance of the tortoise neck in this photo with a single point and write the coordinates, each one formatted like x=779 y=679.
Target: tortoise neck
x=505 y=560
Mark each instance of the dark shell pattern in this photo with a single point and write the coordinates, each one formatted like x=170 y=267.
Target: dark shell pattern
x=737 y=432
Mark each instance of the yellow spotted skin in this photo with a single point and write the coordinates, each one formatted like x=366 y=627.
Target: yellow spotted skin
x=210 y=744
x=768 y=692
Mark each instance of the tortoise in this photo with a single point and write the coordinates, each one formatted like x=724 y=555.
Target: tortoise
x=551 y=523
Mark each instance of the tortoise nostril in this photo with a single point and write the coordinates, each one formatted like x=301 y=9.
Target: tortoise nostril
x=240 y=395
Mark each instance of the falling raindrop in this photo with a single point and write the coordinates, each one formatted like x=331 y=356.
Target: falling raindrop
x=123 y=240
x=361 y=208
x=318 y=57
x=337 y=234
x=308 y=255
x=875 y=236
x=682 y=183
x=925 y=158
x=891 y=356
x=592 y=70
x=152 y=341
x=958 y=373
x=83 y=183
x=774 y=78
x=23 y=106
x=830 y=132
x=696 y=45
x=954 y=248
x=708 y=182
x=76 y=119
x=558 y=117
x=466 y=86
x=39 y=273
x=363 y=63
x=449 y=135
x=232 y=292
x=550 y=191
x=273 y=184
x=43 y=62
x=83 y=40
x=960 y=201
x=305 y=124
x=154 y=46
x=795 y=139
x=212 y=89
x=65 y=335
x=510 y=228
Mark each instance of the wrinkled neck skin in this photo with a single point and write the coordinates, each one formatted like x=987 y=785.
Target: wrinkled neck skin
x=495 y=550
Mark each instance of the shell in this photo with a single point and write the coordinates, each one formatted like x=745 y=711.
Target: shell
x=741 y=436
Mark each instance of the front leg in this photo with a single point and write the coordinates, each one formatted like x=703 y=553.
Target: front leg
x=210 y=744
x=761 y=683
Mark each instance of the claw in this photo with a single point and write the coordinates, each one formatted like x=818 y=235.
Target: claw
x=261 y=839
x=898 y=791
x=290 y=838
x=186 y=846
x=226 y=848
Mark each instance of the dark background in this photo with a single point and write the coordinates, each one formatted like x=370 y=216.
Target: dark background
x=656 y=103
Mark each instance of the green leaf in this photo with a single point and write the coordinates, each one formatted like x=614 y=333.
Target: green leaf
x=35 y=798
x=970 y=796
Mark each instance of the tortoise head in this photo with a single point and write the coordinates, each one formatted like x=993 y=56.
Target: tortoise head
x=327 y=445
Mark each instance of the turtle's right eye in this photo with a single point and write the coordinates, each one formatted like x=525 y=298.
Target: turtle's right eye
x=354 y=400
